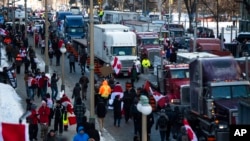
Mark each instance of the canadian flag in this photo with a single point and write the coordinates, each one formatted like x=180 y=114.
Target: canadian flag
x=191 y=135
x=13 y=132
x=117 y=65
x=117 y=90
x=157 y=96
x=3 y=32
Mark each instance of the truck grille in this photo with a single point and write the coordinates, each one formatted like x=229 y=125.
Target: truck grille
x=152 y=54
x=126 y=64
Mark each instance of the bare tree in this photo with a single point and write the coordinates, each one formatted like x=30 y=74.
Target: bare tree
x=191 y=10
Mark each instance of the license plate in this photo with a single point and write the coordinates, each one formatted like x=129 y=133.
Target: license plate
x=125 y=74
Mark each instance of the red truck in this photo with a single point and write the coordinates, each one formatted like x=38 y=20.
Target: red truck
x=148 y=44
x=211 y=45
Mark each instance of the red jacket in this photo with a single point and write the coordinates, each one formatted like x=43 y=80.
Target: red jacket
x=44 y=113
x=33 y=117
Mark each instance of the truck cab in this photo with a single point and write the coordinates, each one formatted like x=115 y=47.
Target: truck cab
x=175 y=78
x=74 y=27
x=216 y=86
x=148 y=44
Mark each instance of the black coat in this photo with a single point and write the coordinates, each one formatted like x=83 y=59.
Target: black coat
x=101 y=109
x=117 y=108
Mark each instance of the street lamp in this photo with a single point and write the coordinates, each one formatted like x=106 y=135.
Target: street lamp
x=63 y=51
x=144 y=107
x=46 y=38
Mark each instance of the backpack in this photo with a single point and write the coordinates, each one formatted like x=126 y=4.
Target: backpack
x=162 y=121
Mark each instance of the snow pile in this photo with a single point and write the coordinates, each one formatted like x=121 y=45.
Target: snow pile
x=10 y=104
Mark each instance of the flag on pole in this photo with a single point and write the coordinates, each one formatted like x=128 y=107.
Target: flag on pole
x=148 y=88
x=117 y=65
x=191 y=135
x=13 y=132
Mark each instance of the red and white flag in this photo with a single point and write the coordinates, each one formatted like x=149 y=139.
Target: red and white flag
x=191 y=135
x=3 y=32
x=117 y=65
x=13 y=132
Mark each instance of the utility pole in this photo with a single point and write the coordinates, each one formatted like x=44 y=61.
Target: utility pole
x=92 y=65
x=195 y=27
x=25 y=28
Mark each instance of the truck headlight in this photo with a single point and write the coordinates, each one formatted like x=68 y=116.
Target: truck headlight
x=222 y=126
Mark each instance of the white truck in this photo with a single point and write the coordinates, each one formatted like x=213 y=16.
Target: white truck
x=115 y=40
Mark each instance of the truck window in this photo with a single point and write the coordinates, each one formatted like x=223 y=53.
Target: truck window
x=150 y=41
x=240 y=91
x=180 y=73
x=230 y=91
x=121 y=51
x=221 y=92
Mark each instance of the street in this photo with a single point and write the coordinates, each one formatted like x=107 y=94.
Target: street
x=111 y=133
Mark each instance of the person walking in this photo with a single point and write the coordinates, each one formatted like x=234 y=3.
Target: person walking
x=150 y=123
x=146 y=64
x=58 y=116
x=93 y=133
x=76 y=92
x=84 y=84
x=105 y=91
x=44 y=113
x=81 y=135
x=136 y=115
x=127 y=103
x=72 y=62
x=133 y=75
x=82 y=61
x=117 y=104
x=53 y=85
x=101 y=112
x=79 y=110
x=161 y=124
x=50 y=103
x=33 y=123
x=51 y=55
x=51 y=136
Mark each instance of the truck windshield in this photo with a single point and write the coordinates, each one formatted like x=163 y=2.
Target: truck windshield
x=179 y=73
x=125 y=50
x=75 y=30
x=150 y=41
x=228 y=92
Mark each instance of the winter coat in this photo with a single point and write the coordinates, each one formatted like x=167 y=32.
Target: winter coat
x=58 y=112
x=44 y=113
x=117 y=104
x=81 y=136
x=53 y=81
x=93 y=133
x=105 y=89
x=76 y=91
x=79 y=110
x=71 y=58
x=33 y=118
x=101 y=109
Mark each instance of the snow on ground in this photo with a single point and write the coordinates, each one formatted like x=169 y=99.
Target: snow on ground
x=10 y=104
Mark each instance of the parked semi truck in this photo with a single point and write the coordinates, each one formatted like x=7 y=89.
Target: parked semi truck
x=74 y=27
x=115 y=40
x=148 y=44
x=216 y=86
